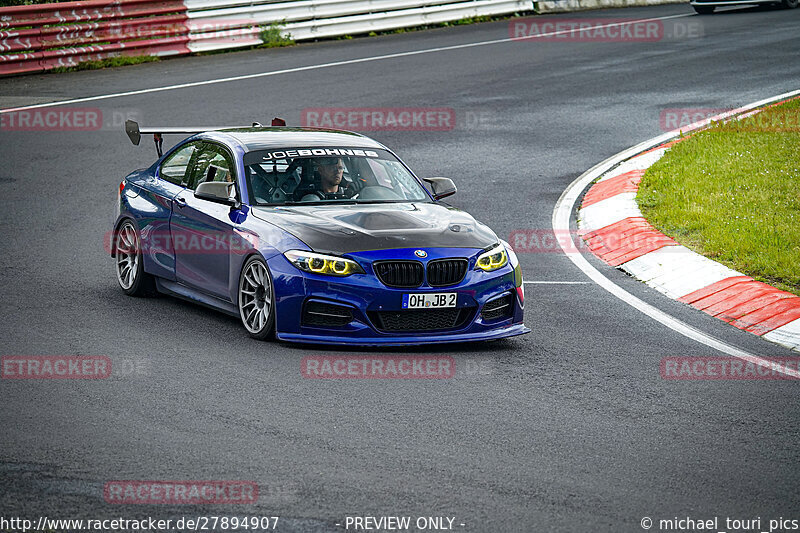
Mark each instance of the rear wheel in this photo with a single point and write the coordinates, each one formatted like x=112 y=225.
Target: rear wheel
x=789 y=4
x=257 y=299
x=132 y=278
x=705 y=10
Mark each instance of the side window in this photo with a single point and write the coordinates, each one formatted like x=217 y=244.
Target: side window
x=381 y=175
x=173 y=169
x=276 y=180
x=212 y=164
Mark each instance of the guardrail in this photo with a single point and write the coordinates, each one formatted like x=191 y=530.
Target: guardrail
x=217 y=24
x=41 y=37
x=564 y=6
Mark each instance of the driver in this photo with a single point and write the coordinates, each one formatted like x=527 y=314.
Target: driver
x=331 y=171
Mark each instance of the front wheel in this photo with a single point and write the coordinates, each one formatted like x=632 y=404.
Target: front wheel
x=257 y=299
x=132 y=278
x=789 y=4
x=705 y=10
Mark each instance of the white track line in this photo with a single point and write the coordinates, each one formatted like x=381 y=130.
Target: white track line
x=557 y=282
x=322 y=65
x=561 y=218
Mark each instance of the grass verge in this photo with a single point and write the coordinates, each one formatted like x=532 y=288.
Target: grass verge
x=274 y=36
x=106 y=63
x=732 y=193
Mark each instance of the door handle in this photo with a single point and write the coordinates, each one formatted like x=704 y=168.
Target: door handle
x=180 y=201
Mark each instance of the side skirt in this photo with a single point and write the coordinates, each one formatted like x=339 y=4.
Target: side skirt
x=183 y=292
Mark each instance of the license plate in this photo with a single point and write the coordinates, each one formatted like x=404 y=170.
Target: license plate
x=429 y=301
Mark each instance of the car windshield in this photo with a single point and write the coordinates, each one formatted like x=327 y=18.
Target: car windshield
x=329 y=175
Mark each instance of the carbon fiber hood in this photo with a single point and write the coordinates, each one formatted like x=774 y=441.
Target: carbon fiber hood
x=342 y=229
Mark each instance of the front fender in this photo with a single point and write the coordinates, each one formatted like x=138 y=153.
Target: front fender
x=257 y=237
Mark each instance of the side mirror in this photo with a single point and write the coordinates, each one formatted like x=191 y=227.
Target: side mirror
x=441 y=187
x=216 y=191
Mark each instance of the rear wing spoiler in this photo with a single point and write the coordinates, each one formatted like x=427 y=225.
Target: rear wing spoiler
x=135 y=133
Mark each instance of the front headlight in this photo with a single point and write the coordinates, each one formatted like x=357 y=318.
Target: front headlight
x=327 y=265
x=512 y=257
x=514 y=262
x=493 y=259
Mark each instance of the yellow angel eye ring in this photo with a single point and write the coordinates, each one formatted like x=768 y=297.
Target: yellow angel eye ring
x=328 y=265
x=493 y=259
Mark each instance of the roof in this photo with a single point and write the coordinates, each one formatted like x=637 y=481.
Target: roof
x=268 y=138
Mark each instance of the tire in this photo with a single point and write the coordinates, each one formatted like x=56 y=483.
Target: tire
x=789 y=4
x=704 y=10
x=256 y=299
x=132 y=278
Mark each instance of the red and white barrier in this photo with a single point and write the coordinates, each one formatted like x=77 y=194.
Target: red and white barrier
x=613 y=227
x=40 y=37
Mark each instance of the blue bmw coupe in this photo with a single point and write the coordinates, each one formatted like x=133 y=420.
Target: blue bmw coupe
x=309 y=235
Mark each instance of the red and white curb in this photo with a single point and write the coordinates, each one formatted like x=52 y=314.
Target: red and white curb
x=614 y=229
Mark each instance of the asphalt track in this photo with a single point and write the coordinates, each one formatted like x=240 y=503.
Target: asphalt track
x=570 y=428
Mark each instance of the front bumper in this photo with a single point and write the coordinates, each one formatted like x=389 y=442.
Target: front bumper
x=365 y=296
x=408 y=340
